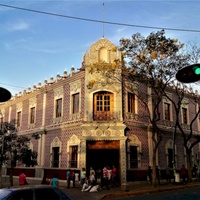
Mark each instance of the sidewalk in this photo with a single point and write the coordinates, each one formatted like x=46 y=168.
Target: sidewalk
x=128 y=189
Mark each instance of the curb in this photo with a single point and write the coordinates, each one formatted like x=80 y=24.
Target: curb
x=146 y=191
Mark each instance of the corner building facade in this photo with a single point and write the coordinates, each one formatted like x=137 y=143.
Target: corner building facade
x=85 y=119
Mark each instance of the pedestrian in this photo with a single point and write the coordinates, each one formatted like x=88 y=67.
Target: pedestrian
x=168 y=173
x=109 y=175
x=55 y=180
x=68 y=174
x=88 y=187
x=183 y=173
x=92 y=173
x=22 y=178
x=149 y=174
x=158 y=174
x=194 y=171
x=92 y=178
x=105 y=178
x=72 y=177
x=114 y=176
x=46 y=180
x=83 y=176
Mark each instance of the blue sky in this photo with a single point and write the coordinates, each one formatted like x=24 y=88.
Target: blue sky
x=34 y=46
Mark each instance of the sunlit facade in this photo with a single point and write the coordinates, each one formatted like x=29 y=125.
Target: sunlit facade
x=85 y=119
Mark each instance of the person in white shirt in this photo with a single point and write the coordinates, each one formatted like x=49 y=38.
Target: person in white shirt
x=88 y=187
x=92 y=178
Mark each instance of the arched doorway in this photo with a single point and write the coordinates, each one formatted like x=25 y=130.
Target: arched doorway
x=102 y=153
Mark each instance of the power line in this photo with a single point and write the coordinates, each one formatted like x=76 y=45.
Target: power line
x=99 y=21
x=11 y=85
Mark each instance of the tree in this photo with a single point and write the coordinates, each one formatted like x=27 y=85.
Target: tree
x=14 y=149
x=187 y=131
x=152 y=61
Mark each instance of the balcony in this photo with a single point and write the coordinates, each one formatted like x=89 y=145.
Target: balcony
x=106 y=116
x=73 y=164
x=55 y=163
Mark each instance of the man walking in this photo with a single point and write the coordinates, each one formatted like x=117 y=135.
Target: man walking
x=68 y=175
x=105 y=178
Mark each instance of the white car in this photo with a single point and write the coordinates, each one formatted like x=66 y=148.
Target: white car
x=40 y=192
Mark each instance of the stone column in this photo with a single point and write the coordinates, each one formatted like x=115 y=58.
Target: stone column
x=82 y=156
x=123 y=160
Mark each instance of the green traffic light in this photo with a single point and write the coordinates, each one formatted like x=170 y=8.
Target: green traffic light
x=196 y=70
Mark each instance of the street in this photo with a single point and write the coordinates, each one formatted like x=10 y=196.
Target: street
x=186 y=194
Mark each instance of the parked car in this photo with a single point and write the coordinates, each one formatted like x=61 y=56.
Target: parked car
x=29 y=192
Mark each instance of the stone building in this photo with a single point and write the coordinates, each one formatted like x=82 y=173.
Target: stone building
x=85 y=119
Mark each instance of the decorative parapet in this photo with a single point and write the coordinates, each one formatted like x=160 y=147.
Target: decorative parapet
x=168 y=123
x=75 y=116
x=132 y=116
x=31 y=126
x=103 y=116
x=185 y=126
x=57 y=120
x=103 y=133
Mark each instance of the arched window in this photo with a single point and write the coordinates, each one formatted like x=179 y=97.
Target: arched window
x=103 y=54
x=103 y=106
x=55 y=152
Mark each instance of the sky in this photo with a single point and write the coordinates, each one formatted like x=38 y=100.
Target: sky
x=45 y=38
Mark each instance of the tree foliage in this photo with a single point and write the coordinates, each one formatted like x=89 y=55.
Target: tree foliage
x=154 y=60
x=14 y=147
x=155 y=57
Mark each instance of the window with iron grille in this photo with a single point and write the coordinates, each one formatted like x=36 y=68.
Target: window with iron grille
x=167 y=111
x=75 y=99
x=32 y=115
x=131 y=103
x=73 y=156
x=55 y=158
x=19 y=116
x=1 y=122
x=184 y=115
x=170 y=157
x=59 y=107
x=133 y=157
x=103 y=106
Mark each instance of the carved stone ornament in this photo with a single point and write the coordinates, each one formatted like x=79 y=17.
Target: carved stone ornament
x=58 y=92
x=19 y=106
x=93 y=56
x=107 y=133
x=99 y=133
x=56 y=142
x=74 y=87
x=32 y=102
x=74 y=140
x=118 y=133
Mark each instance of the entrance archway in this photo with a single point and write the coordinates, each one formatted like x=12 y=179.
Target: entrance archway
x=102 y=153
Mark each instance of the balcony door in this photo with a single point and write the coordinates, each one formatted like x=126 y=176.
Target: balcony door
x=103 y=106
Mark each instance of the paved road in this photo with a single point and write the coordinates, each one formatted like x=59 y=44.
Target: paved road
x=186 y=194
x=76 y=194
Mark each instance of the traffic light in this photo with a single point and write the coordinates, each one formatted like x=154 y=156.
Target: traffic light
x=189 y=74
